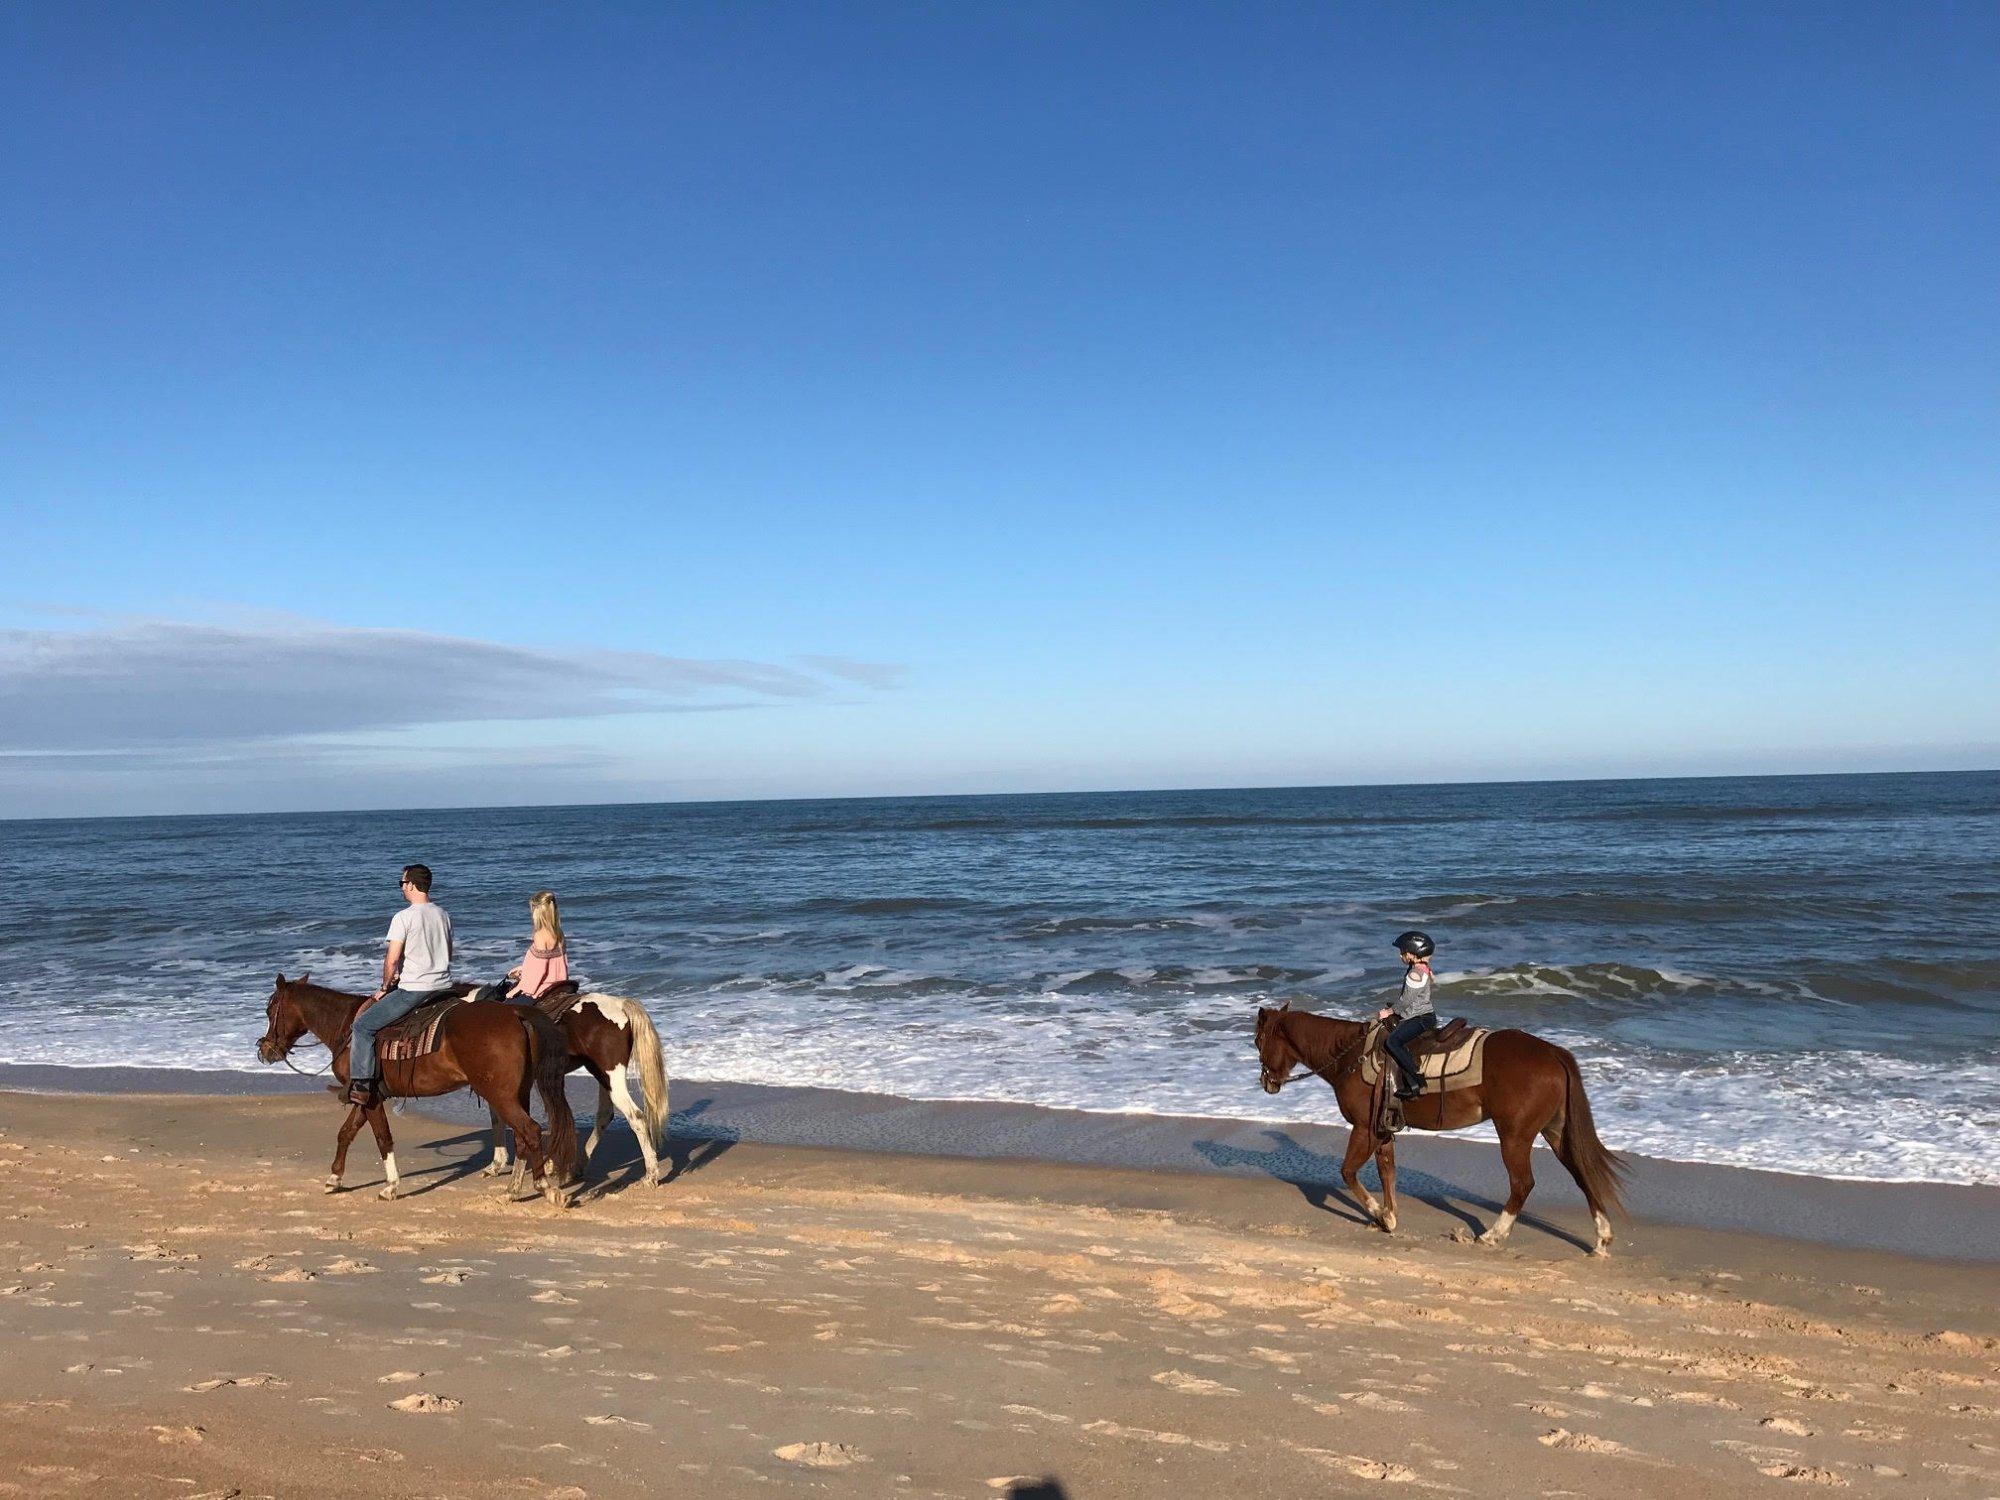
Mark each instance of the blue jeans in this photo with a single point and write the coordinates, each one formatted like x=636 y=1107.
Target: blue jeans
x=391 y=1008
x=1408 y=1031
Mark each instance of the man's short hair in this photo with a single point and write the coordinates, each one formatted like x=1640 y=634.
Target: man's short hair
x=418 y=876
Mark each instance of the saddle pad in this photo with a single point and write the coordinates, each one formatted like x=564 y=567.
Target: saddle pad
x=418 y=1033
x=559 y=999
x=1461 y=1067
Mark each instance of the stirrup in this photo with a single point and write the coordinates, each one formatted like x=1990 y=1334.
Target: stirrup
x=367 y=1093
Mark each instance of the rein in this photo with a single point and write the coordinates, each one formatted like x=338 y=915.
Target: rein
x=1333 y=1071
x=286 y=1059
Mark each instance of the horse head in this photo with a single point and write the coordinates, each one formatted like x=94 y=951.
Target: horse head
x=287 y=1022
x=1274 y=1047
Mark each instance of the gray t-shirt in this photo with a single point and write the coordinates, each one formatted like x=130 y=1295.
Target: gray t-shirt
x=425 y=932
x=1415 y=1000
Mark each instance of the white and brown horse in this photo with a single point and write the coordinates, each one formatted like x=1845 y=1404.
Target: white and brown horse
x=613 y=1039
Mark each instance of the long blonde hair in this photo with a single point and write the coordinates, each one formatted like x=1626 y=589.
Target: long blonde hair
x=542 y=910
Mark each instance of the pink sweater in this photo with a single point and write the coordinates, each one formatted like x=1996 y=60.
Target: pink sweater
x=540 y=969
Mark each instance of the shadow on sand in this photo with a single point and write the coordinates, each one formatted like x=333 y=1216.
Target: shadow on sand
x=1317 y=1177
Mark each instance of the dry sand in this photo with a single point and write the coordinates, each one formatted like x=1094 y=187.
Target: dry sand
x=186 y=1314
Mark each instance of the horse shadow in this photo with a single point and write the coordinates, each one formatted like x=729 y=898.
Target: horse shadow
x=690 y=1146
x=1317 y=1177
x=1048 y=1487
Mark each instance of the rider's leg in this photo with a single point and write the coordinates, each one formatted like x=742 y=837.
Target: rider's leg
x=362 y=1064
x=1395 y=1043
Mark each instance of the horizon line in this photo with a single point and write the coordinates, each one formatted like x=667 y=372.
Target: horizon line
x=1311 y=786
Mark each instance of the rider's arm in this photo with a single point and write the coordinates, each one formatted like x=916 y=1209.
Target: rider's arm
x=392 y=965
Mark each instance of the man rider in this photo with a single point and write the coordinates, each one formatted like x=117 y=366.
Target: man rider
x=416 y=967
x=1411 y=1011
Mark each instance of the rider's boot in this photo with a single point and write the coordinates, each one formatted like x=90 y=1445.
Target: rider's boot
x=1407 y=1087
x=365 y=1092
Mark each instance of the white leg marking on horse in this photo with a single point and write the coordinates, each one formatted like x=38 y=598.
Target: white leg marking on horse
x=1603 y=1246
x=499 y=1163
x=621 y=1090
x=389 y=1172
x=1501 y=1227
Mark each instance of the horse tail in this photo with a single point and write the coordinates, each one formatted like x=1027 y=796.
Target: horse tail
x=1600 y=1170
x=548 y=1061
x=652 y=1061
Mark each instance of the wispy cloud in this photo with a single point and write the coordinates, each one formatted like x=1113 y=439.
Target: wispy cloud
x=131 y=685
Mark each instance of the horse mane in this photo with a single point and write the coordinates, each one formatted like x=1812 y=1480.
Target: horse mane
x=1320 y=1034
x=310 y=997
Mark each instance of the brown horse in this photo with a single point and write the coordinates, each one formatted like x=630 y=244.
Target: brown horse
x=500 y=1052
x=613 y=1038
x=1530 y=1087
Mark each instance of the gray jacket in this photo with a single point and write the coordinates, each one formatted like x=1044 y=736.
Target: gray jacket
x=1415 y=1000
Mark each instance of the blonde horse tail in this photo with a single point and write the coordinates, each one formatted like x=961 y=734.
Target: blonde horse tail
x=652 y=1061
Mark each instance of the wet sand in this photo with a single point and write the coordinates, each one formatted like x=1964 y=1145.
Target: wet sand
x=186 y=1313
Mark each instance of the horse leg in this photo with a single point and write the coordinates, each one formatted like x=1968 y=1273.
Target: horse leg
x=1516 y=1146
x=1360 y=1143
x=528 y=1137
x=349 y=1127
x=1385 y=1163
x=499 y=1163
x=603 y=1111
x=621 y=1090
x=1553 y=1134
x=378 y=1118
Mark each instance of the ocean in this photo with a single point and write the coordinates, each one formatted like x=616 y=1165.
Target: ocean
x=1794 y=973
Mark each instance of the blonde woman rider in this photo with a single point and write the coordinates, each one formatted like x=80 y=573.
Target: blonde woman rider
x=546 y=963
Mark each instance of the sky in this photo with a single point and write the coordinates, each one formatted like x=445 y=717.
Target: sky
x=472 y=404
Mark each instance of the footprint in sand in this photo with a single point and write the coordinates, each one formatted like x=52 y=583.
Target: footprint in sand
x=821 y=1455
x=246 y=1381
x=294 y=1274
x=1801 y=1473
x=424 y=1401
x=178 y=1437
x=1192 y=1385
x=1379 y=1470
x=1786 y=1424
x=1581 y=1442
x=608 y=1420
x=553 y=1298
x=347 y=1265
x=448 y=1278
x=399 y=1377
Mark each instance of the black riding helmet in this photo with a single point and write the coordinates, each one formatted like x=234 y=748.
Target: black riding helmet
x=1416 y=944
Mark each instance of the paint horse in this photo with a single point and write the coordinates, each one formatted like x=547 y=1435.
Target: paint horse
x=612 y=1038
x=500 y=1052
x=1529 y=1087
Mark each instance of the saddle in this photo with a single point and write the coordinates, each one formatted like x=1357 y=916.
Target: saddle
x=1452 y=1056
x=421 y=1032
x=559 y=999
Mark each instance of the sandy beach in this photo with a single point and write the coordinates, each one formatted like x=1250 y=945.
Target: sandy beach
x=186 y=1314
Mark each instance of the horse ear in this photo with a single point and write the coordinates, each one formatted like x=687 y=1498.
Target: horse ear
x=305 y=976
x=1284 y=1005
x=281 y=979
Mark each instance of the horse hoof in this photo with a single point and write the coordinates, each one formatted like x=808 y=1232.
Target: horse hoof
x=387 y=1195
x=1600 y=1252
x=1388 y=1223
x=494 y=1169
x=331 y=1185
x=1488 y=1240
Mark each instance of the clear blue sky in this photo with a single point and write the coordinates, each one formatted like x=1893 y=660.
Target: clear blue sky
x=530 y=403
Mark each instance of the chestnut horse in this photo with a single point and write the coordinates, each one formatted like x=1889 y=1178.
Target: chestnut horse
x=613 y=1038
x=500 y=1052
x=1529 y=1087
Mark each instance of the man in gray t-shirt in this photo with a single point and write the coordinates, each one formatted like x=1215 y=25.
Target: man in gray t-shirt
x=417 y=966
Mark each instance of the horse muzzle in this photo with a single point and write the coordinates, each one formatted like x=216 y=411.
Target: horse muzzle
x=1271 y=1085
x=269 y=1052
